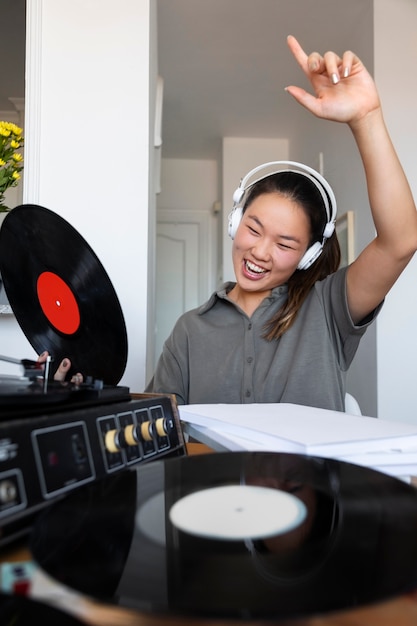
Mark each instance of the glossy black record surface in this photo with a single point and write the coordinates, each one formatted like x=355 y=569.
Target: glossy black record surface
x=115 y=539
x=61 y=294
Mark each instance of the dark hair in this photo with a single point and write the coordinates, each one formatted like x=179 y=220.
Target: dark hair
x=300 y=189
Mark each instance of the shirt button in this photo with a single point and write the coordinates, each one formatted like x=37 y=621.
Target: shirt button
x=250 y=326
x=248 y=393
x=249 y=359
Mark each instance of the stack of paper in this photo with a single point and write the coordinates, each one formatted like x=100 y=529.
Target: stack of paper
x=390 y=447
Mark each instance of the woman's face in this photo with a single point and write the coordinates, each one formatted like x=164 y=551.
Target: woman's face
x=270 y=241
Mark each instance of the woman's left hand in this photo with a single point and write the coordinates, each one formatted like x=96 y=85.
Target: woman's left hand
x=344 y=91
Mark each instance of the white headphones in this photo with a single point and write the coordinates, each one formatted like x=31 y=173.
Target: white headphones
x=274 y=167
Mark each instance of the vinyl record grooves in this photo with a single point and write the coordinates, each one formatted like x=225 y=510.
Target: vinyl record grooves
x=61 y=294
x=119 y=541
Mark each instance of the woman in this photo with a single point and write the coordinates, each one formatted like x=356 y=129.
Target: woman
x=287 y=330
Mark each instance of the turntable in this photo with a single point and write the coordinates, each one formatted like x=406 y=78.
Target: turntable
x=57 y=436
x=342 y=537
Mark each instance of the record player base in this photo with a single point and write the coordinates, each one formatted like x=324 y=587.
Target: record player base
x=400 y=611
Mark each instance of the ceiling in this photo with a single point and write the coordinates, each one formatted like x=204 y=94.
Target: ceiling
x=224 y=63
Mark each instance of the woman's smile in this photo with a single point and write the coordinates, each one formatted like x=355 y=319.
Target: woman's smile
x=253 y=271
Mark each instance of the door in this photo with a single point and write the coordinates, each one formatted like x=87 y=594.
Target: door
x=182 y=267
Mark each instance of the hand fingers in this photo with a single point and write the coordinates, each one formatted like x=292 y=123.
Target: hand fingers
x=77 y=379
x=42 y=357
x=330 y=63
x=62 y=370
x=349 y=59
x=315 y=63
x=304 y=98
x=298 y=52
x=338 y=68
x=332 y=66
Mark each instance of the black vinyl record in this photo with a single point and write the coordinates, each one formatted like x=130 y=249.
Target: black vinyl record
x=162 y=538
x=61 y=294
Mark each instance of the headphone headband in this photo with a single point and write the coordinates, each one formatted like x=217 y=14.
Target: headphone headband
x=290 y=166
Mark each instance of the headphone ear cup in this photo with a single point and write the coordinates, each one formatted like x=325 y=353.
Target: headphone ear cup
x=329 y=230
x=234 y=220
x=310 y=256
x=238 y=195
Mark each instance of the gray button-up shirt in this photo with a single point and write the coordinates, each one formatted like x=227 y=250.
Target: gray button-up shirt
x=217 y=354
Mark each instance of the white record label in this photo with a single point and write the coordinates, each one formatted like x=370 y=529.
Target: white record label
x=237 y=512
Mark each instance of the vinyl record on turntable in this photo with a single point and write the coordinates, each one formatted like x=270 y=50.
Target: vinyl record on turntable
x=61 y=294
x=352 y=540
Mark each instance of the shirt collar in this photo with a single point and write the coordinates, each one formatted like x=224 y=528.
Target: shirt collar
x=222 y=292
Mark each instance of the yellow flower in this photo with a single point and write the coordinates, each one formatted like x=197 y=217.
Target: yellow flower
x=11 y=161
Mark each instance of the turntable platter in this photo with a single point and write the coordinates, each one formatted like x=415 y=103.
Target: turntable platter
x=356 y=545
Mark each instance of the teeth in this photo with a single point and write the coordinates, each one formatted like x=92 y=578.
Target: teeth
x=254 y=268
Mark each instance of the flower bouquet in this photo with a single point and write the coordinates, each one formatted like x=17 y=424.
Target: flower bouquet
x=11 y=161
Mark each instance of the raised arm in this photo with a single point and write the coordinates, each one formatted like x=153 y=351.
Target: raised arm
x=345 y=92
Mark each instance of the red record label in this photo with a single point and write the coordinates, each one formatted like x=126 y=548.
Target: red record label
x=58 y=303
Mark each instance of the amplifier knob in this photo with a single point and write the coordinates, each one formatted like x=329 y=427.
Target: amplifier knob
x=146 y=430
x=131 y=435
x=143 y=432
x=114 y=440
x=161 y=427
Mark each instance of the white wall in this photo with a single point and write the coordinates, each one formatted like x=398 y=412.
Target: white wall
x=87 y=144
x=395 y=69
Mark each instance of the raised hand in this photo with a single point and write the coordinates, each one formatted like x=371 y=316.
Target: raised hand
x=344 y=91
